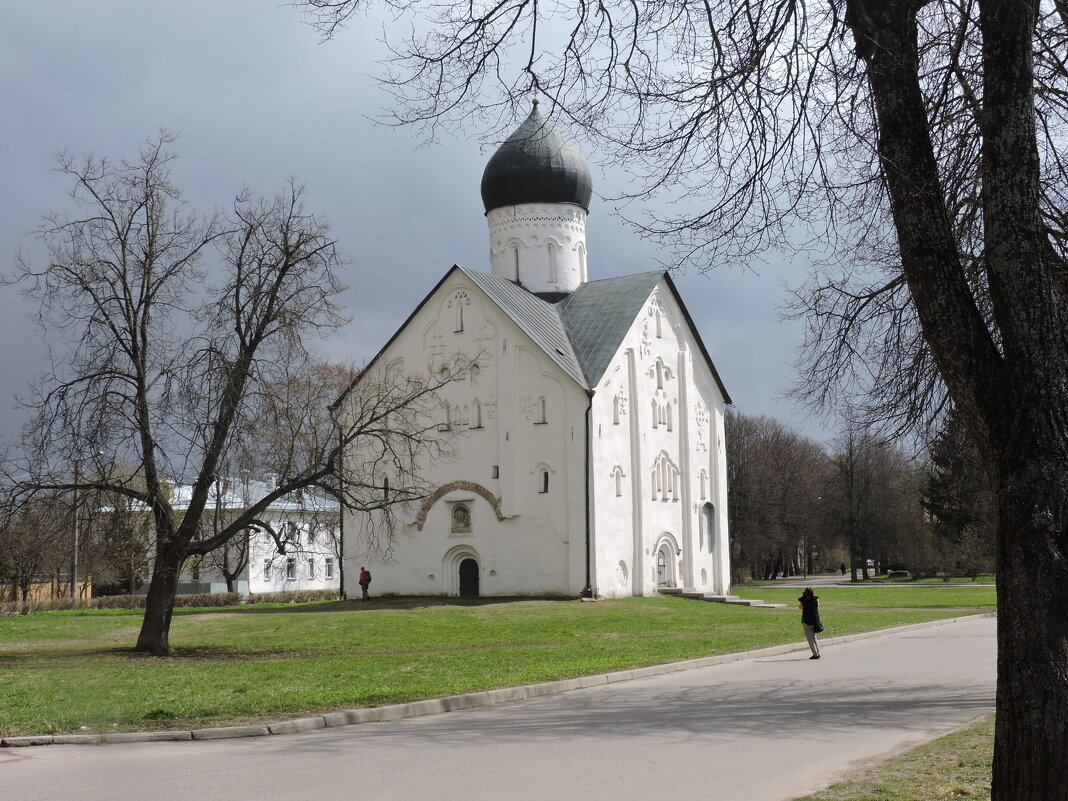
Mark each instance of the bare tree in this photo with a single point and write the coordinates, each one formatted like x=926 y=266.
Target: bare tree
x=775 y=480
x=922 y=140
x=174 y=369
x=35 y=542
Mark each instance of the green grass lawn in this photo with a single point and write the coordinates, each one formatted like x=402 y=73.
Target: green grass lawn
x=74 y=671
x=954 y=766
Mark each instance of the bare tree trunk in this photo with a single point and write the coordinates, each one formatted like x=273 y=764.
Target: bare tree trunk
x=159 y=605
x=1031 y=736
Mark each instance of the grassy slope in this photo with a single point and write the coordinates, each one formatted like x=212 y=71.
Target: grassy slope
x=65 y=671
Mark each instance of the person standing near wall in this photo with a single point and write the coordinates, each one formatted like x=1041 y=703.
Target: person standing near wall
x=365 y=582
x=810 y=619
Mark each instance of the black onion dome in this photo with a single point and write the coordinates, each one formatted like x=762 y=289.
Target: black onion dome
x=535 y=165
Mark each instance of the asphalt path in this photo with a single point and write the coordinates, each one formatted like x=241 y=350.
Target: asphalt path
x=763 y=729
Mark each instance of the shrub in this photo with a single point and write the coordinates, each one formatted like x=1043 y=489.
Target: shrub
x=118 y=602
x=293 y=596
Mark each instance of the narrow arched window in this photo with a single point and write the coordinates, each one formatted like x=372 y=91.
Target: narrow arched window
x=543 y=480
x=656 y=413
x=659 y=374
x=667 y=414
x=659 y=329
x=616 y=402
x=515 y=262
x=459 y=316
x=540 y=412
x=552 y=262
x=476 y=414
x=582 y=263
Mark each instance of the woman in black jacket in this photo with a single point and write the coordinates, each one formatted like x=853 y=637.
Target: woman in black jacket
x=810 y=619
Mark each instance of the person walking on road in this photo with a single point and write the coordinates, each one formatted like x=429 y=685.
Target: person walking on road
x=810 y=619
x=365 y=582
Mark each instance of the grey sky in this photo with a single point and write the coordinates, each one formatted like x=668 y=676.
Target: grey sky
x=256 y=98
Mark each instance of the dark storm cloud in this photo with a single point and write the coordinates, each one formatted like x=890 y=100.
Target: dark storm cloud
x=256 y=98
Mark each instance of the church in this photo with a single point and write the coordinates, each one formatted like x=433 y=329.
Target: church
x=588 y=425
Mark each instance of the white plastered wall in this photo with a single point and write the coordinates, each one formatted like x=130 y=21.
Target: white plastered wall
x=659 y=374
x=525 y=541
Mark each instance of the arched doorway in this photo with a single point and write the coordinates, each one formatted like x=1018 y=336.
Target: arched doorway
x=468 y=578
x=667 y=553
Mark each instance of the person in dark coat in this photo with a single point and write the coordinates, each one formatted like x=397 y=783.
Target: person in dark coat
x=365 y=582
x=810 y=619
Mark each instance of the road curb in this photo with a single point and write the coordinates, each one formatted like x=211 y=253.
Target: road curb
x=450 y=703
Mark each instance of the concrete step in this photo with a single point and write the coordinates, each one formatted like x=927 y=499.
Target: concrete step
x=720 y=599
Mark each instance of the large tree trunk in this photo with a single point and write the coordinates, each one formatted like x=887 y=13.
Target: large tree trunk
x=1031 y=733
x=159 y=605
x=1015 y=398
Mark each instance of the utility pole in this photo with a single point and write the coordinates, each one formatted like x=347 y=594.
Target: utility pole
x=74 y=553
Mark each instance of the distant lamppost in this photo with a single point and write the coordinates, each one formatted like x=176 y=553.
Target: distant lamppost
x=74 y=553
x=77 y=528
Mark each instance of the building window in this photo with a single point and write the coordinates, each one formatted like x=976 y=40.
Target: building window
x=385 y=488
x=659 y=331
x=311 y=568
x=552 y=262
x=515 y=262
x=291 y=569
x=328 y=567
x=476 y=414
x=617 y=475
x=446 y=417
x=539 y=412
x=495 y=471
x=266 y=569
x=659 y=374
x=665 y=479
x=543 y=480
x=194 y=570
x=474 y=373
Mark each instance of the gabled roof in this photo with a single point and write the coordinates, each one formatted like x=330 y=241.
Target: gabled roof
x=582 y=332
x=598 y=315
x=539 y=320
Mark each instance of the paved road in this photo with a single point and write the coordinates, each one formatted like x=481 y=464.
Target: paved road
x=765 y=729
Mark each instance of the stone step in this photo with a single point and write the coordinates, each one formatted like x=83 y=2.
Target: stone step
x=720 y=599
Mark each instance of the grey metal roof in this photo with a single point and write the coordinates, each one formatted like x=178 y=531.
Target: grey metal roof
x=582 y=332
x=535 y=165
x=539 y=319
x=598 y=315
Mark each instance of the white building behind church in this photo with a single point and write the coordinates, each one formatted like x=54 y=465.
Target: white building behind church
x=589 y=430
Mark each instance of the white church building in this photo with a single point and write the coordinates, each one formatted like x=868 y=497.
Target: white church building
x=589 y=452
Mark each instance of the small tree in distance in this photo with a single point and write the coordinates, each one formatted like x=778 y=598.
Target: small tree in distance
x=181 y=347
